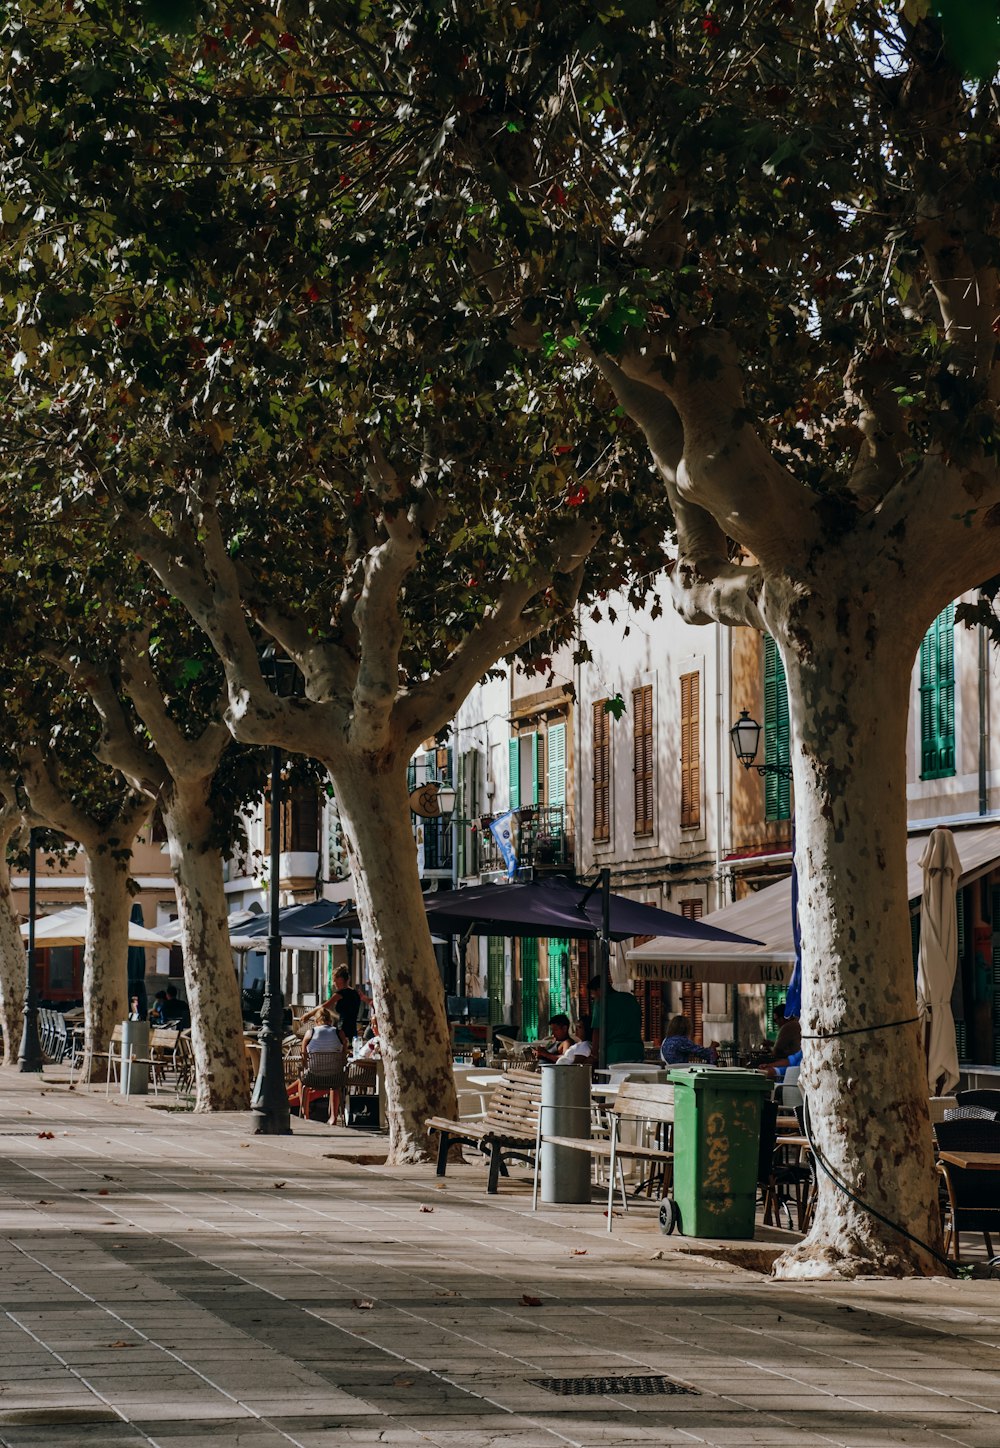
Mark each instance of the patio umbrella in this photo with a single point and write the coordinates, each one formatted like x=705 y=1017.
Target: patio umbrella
x=938 y=959
x=557 y=908
x=137 y=963
x=69 y=927
x=293 y=920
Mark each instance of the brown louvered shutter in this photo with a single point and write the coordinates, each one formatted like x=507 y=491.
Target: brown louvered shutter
x=690 y=750
x=692 y=994
x=642 y=758
x=602 y=771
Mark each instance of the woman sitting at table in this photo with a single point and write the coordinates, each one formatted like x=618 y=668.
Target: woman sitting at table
x=677 y=1046
x=324 y=1053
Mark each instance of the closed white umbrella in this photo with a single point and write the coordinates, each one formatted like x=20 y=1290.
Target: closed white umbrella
x=938 y=959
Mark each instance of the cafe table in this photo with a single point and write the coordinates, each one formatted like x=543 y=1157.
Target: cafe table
x=972 y=1160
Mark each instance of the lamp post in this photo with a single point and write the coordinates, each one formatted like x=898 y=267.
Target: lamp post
x=269 y=1101
x=745 y=735
x=29 y=1056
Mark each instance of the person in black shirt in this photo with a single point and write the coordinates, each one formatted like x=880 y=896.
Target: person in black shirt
x=175 y=1011
x=345 y=1001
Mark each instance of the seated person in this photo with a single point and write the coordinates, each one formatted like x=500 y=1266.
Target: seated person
x=175 y=1011
x=371 y=1047
x=559 y=1031
x=577 y=1052
x=677 y=1046
x=789 y=1037
x=156 y=1016
x=325 y=1037
x=776 y=1069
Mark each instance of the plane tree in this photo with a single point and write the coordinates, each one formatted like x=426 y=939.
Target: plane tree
x=775 y=233
x=254 y=329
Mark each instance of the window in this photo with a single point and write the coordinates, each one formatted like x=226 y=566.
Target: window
x=466 y=812
x=642 y=758
x=777 y=736
x=690 y=751
x=937 y=697
x=495 y=971
x=602 y=770
x=692 y=992
x=529 y=989
x=555 y=743
x=525 y=763
x=774 y=996
x=558 y=953
x=299 y=821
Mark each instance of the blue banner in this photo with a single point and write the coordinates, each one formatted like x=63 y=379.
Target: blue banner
x=502 y=830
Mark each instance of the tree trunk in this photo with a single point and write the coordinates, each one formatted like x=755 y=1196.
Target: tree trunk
x=13 y=961
x=863 y=1068
x=408 y=991
x=105 y=962
x=213 y=992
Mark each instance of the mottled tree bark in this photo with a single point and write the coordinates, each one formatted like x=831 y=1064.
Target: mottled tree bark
x=847 y=669
x=13 y=961
x=105 y=964
x=409 y=996
x=210 y=979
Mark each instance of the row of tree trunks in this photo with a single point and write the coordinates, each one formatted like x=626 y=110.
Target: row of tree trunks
x=13 y=960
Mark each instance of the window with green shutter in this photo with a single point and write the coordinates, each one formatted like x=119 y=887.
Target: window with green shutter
x=529 y=989
x=556 y=743
x=774 y=997
x=777 y=734
x=514 y=759
x=525 y=749
x=495 y=971
x=937 y=697
x=558 y=976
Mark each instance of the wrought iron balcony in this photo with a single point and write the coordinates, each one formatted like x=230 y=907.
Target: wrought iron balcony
x=542 y=841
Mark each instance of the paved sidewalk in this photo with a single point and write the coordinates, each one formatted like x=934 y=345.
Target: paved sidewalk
x=168 y=1279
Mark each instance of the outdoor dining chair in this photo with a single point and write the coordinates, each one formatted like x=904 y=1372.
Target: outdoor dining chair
x=971 y=1200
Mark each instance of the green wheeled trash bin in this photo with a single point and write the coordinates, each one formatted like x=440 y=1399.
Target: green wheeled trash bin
x=716 y=1145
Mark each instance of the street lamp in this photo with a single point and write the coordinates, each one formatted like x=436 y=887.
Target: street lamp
x=29 y=1056
x=745 y=735
x=269 y=1101
x=446 y=797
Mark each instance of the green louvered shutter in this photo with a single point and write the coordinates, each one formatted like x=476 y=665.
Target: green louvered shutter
x=777 y=734
x=558 y=976
x=514 y=756
x=556 y=740
x=495 y=977
x=937 y=697
x=774 y=996
x=535 y=766
x=529 y=989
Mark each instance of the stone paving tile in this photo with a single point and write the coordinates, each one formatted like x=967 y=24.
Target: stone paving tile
x=245 y=1295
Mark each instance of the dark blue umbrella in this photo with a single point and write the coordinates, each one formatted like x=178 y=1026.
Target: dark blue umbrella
x=554 y=908
x=137 y=963
x=293 y=920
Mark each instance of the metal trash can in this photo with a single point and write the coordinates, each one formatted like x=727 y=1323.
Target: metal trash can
x=717 y=1115
x=135 y=1074
x=565 y=1111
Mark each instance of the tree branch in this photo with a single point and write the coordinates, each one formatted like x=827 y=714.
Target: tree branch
x=184 y=758
x=118 y=747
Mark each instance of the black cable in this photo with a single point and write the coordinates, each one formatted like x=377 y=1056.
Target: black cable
x=866 y=1206
x=862 y=1030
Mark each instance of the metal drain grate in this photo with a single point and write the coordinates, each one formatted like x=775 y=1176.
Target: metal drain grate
x=612 y=1387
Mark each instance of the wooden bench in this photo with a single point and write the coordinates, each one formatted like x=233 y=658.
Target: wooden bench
x=510 y=1125
x=637 y=1101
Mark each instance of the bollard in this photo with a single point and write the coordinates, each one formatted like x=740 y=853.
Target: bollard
x=565 y=1111
x=135 y=1042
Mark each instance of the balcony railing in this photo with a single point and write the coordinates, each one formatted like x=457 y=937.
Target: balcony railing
x=542 y=842
x=439 y=838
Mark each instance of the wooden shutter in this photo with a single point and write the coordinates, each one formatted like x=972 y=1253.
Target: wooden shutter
x=777 y=734
x=692 y=994
x=937 y=697
x=301 y=829
x=642 y=758
x=602 y=770
x=690 y=750
x=514 y=760
x=556 y=745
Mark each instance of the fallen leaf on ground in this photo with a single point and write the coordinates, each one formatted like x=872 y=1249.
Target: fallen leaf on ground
x=427 y=1209
x=363 y=1302
x=121 y=1343
x=244 y=1145
x=402 y=1382
x=279 y=1185
x=46 y=1136
x=109 y=1178
x=103 y=1192
x=527 y=1301
x=441 y=1187
x=614 y=1214
x=579 y=1252
x=43 y=1203
x=446 y=1292
x=657 y=1257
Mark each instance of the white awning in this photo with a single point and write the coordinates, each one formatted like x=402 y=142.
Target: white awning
x=69 y=927
x=767 y=916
